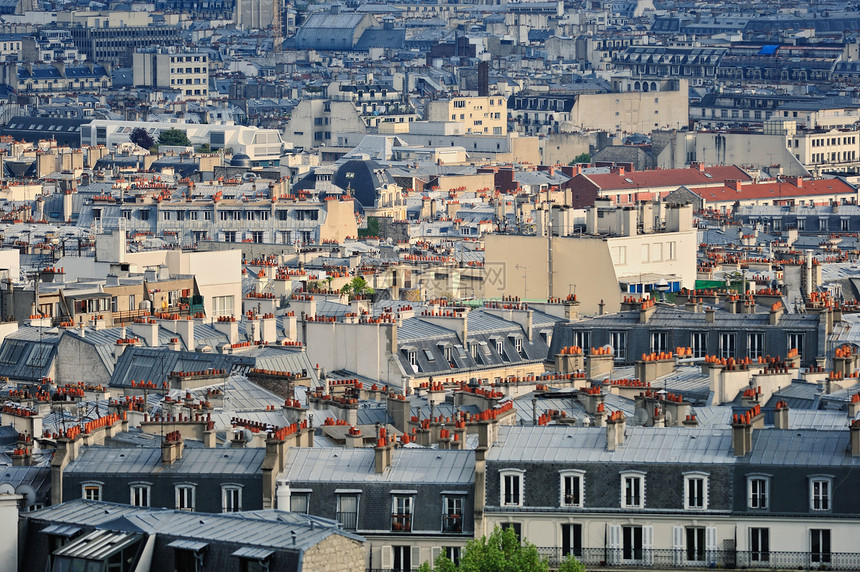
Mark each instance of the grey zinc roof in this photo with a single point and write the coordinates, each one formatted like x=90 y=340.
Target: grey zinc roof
x=588 y=445
x=409 y=466
x=259 y=528
x=142 y=460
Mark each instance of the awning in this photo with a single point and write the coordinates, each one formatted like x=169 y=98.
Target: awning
x=253 y=553
x=184 y=544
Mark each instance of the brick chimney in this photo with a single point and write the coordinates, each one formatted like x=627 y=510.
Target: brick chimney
x=382 y=452
x=780 y=415
x=615 y=425
x=733 y=184
x=171 y=447
x=742 y=429
x=854 y=437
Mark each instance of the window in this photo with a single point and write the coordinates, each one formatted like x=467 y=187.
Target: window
x=843 y=226
x=500 y=347
x=452 y=553
x=819 y=545
x=512 y=487
x=517 y=527
x=299 y=502
x=222 y=306
x=618 y=341
x=758 y=488
x=572 y=486
x=139 y=495
x=819 y=493
x=695 y=543
x=801 y=224
x=760 y=544
x=727 y=345
x=347 y=510
x=631 y=543
x=571 y=539
x=187 y=560
x=231 y=498
x=401 y=513
x=659 y=342
x=699 y=344
x=91 y=491
x=795 y=342
x=582 y=339
x=755 y=345
x=413 y=361
x=185 y=497
x=402 y=558
x=452 y=514
x=695 y=491
x=632 y=490
x=230 y=236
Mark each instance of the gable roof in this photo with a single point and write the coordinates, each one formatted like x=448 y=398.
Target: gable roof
x=668 y=178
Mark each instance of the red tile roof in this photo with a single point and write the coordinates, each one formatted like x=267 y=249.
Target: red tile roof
x=775 y=190
x=668 y=178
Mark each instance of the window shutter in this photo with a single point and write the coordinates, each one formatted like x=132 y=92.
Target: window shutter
x=711 y=545
x=678 y=545
x=614 y=556
x=435 y=553
x=647 y=545
x=387 y=557
x=416 y=557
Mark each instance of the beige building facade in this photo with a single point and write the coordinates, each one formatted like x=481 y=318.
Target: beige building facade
x=486 y=115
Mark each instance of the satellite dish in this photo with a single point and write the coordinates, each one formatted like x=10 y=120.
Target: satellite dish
x=670 y=417
x=641 y=417
x=29 y=494
x=6 y=489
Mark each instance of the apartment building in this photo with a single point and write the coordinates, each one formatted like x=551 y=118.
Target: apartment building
x=187 y=72
x=674 y=497
x=57 y=77
x=477 y=115
x=632 y=253
x=112 y=37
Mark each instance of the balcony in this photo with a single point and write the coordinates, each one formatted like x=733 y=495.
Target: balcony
x=452 y=523
x=401 y=523
x=348 y=520
x=670 y=559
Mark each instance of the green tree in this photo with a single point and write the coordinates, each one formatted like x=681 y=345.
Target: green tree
x=502 y=551
x=173 y=137
x=571 y=564
x=141 y=137
x=581 y=158
x=357 y=287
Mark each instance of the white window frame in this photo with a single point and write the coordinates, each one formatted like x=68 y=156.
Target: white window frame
x=699 y=350
x=618 y=341
x=755 y=353
x=519 y=474
x=753 y=497
x=659 y=341
x=689 y=479
x=179 y=491
x=229 y=494
x=578 y=485
x=821 y=493
x=728 y=344
x=633 y=476
x=145 y=488
x=96 y=487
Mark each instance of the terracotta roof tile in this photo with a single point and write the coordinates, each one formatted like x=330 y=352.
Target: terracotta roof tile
x=668 y=178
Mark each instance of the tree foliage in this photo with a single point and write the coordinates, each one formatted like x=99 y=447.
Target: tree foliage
x=581 y=158
x=502 y=551
x=357 y=287
x=571 y=564
x=141 y=137
x=173 y=137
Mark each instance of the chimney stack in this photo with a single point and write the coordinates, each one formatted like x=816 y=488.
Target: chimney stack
x=854 y=436
x=780 y=415
x=615 y=424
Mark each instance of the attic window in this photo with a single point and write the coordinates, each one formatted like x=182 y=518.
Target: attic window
x=708 y=175
x=629 y=180
x=429 y=355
